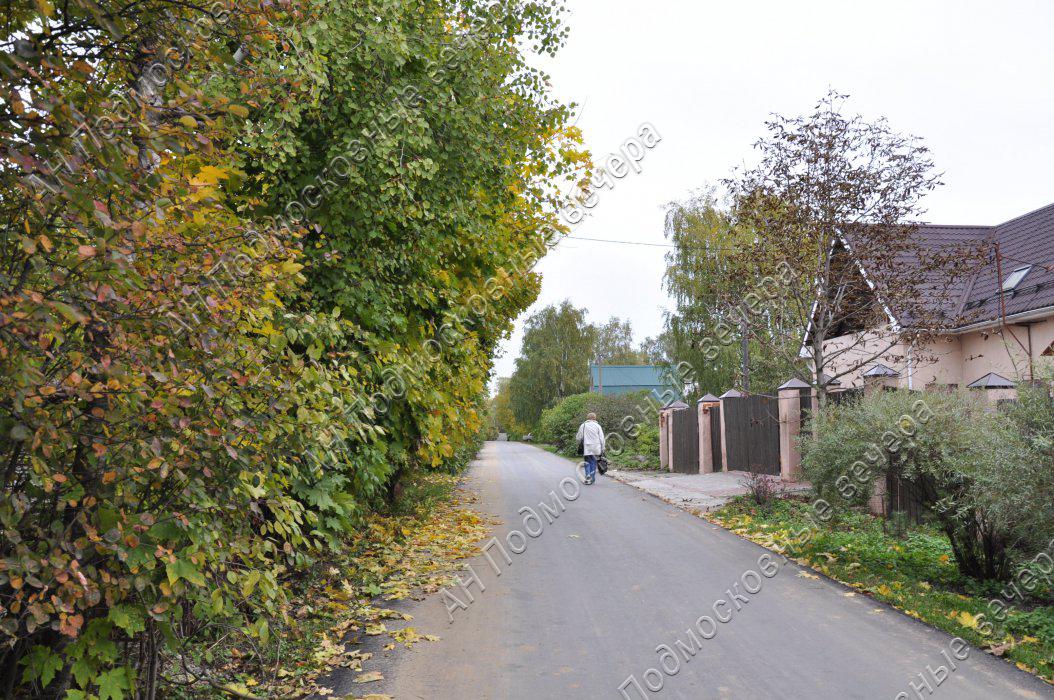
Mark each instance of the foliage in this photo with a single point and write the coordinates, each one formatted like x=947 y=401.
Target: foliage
x=553 y=362
x=1019 y=494
x=826 y=184
x=763 y=488
x=710 y=274
x=558 y=347
x=502 y=418
x=916 y=574
x=416 y=549
x=614 y=344
x=198 y=400
x=958 y=454
x=623 y=417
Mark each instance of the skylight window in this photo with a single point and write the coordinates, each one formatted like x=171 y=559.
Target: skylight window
x=1015 y=278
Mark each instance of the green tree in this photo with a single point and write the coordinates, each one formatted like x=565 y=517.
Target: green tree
x=614 y=344
x=501 y=410
x=711 y=276
x=255 y=265
x=554 y=360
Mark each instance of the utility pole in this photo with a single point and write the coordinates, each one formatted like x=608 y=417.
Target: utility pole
x=745 y=351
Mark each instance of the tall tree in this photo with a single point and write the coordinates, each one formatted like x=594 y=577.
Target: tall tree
x=614 y=344
x=501 y=408
x=832 y=193
x=554 y=360
x=722 y=298
x=238 y=241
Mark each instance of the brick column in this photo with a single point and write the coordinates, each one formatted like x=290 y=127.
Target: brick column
x=790 y=394
x=706 y=444
x=730 y=394
x=664 y=439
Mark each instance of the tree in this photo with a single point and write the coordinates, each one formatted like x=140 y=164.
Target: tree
x=422 y=150
x=709 y=274
x=554 y=360
x=832 y=193
x=254 y=264
x=614 y=344
x=501 y=409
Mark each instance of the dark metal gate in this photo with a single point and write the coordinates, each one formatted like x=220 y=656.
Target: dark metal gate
x=715 y=437
x=752 y=429
x=685 y=456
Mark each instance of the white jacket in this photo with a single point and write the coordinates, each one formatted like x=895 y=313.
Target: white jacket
x=591 y=435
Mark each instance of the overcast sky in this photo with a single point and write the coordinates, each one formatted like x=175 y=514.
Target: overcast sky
x=974 y=79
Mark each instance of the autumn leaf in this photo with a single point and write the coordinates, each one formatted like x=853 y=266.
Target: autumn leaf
x=371 y=677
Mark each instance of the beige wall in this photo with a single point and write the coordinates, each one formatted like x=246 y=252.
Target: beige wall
x=856 y=350
x=955 y=359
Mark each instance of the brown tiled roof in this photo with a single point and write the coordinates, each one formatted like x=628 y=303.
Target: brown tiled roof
x=1026 y=240
x=974 y=298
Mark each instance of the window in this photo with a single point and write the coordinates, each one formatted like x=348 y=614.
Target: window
x=1015 y=278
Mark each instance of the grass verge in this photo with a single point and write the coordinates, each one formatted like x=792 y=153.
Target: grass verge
x=912 y=571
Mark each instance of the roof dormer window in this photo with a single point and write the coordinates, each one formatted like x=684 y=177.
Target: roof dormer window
x=1015 y=277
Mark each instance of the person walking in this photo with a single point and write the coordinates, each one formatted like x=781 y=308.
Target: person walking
x=591 y=438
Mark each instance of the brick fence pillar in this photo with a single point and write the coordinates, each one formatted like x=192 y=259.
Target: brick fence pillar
x=706 y=444
x=730 y=394
x=664 y=439
x=790 y=395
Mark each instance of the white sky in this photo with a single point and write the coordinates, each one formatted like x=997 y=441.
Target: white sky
x=975 y=79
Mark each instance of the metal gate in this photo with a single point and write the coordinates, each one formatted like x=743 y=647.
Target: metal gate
x=685 y=454
x=752 y=429
x=715 y=437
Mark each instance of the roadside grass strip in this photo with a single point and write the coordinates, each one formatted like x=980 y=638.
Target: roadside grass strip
x=913 y=571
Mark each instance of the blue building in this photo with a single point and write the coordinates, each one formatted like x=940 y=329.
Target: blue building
x=612 y=380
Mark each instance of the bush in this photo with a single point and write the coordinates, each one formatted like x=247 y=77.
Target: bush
x=1021 y=492
x=205 y=385
x=967 y=462
x=763 y=489
x=622 y=417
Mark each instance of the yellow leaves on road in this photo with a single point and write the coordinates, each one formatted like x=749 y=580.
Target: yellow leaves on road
x=393 y=558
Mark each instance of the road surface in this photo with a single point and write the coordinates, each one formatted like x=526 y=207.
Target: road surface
x=619 y=573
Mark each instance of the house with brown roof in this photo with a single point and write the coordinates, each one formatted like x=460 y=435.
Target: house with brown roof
x=1000 y=316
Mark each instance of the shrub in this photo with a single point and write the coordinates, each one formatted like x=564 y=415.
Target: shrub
x=1021 y=492
x=763 y=489
x=622 y=417
x=965 y=460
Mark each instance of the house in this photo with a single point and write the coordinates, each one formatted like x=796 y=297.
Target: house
x=1000 y=316
x=612 y=380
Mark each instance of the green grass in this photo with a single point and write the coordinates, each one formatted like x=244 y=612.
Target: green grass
x=914 y=572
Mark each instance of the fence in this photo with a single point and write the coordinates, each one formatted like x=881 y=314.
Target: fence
x=760 y=434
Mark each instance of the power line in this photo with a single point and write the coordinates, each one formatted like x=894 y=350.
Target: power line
x=606 y=240
x=713 y=248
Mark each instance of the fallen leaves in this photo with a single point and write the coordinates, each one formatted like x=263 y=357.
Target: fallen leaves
x=394 y=558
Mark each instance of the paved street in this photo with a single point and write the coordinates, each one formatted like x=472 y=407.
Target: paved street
x=620 y=573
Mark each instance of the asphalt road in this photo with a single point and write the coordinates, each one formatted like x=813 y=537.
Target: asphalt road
x=619 y=573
